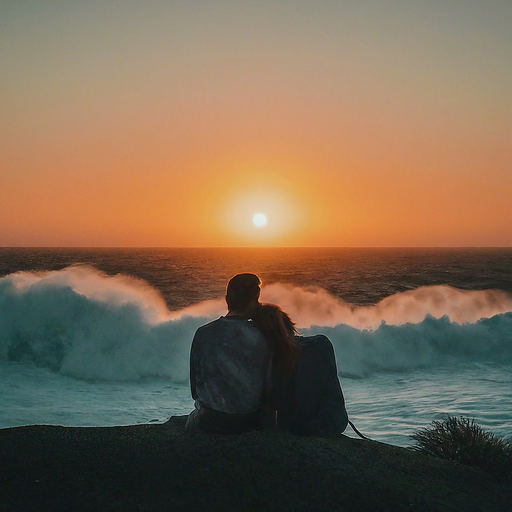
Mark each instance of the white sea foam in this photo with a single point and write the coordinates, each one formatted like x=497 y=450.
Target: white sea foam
x=87 y=325
x=314 y=306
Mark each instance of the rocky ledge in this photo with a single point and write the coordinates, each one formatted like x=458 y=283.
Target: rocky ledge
x=161 y=467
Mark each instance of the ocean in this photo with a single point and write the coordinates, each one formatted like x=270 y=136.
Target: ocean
x=101 y=337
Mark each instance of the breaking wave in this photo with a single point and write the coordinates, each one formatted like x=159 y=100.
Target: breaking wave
x=85 y=324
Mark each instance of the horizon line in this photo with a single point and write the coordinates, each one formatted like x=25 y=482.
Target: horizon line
x=257 y=247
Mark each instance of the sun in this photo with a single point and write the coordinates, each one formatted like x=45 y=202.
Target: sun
x=259 y=220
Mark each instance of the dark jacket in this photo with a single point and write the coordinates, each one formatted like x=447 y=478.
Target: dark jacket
x=309 y=400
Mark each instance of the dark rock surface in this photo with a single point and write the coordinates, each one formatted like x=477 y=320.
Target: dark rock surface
x=161 y=467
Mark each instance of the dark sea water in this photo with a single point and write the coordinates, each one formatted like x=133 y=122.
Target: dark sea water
x=358 y=276
x=101 y=336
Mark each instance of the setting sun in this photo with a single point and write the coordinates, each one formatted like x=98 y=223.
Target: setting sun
x=178 y=133
x=259 y=220
x=266 y=215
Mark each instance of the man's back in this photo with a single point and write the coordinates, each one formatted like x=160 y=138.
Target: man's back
x=228 y=365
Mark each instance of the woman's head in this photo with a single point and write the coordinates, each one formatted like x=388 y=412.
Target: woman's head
x=279 y=330
x=271 y=318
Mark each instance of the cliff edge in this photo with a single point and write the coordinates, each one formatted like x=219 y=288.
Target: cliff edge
x=161 y=467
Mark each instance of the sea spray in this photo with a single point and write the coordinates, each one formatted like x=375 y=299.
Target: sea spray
x=315 y=306
x=85 y=324
x=429 y=343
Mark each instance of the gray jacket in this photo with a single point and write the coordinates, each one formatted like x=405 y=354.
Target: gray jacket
x=229 y=366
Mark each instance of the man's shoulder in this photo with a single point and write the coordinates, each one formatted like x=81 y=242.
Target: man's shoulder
x=225 y=323
x=229 y=328
x=211 y=324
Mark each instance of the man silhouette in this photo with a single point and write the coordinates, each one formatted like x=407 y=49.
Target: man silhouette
x=229 y=362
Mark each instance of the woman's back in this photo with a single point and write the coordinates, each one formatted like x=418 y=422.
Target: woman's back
x=309 y=398
x=305 y=388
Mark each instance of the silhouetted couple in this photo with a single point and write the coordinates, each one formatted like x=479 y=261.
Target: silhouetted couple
x=251 y=369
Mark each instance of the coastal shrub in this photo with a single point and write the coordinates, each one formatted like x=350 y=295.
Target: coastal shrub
x=464 y=441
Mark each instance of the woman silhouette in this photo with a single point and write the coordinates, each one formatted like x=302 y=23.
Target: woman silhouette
x=305 y=390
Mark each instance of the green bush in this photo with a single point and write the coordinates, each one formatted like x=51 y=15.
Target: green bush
x=462 y=440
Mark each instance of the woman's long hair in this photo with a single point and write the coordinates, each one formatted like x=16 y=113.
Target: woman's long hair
x=279 y=330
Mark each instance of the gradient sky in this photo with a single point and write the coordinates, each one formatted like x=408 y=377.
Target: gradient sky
x=170 y=123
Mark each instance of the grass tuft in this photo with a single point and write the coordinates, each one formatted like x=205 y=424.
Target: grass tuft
x=464 y=441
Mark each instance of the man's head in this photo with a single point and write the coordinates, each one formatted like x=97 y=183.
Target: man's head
x=242 y=293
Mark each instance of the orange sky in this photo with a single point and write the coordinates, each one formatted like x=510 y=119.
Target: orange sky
x=172 y=123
